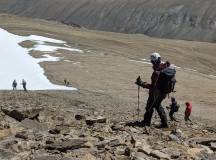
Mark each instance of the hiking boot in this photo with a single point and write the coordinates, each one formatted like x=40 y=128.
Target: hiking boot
x=163 y=126
x=135 y=124
x=143 y=124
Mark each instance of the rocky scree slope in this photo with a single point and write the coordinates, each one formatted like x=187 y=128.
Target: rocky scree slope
x=178 y=19
x=43 y=125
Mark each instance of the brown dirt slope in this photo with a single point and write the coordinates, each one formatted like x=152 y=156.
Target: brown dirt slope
x=105 y=65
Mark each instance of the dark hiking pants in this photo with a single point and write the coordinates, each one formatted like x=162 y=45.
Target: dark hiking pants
x=171 y=115
x=24 y=87
x=154 y=101
x=187 y=118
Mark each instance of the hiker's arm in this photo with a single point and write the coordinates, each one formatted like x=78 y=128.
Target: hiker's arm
x=154 y=79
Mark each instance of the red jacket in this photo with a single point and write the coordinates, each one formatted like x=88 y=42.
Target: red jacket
x=188 y=109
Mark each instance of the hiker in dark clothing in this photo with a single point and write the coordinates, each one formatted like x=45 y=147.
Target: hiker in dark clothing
x=65 y=81
x=24 y=85
x=14 y=84
x=155 y=95
x=174 y=107
x=68 y=84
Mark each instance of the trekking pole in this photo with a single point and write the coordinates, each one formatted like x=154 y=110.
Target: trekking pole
x=138 y=110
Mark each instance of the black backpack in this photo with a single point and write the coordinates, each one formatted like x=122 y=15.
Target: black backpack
x=166 y=80
x=176 y=108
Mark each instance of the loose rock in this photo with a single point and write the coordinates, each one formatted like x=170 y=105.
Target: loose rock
x=159 y=154
x=67 y=145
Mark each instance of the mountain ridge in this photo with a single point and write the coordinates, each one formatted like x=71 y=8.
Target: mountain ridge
x=174 y=19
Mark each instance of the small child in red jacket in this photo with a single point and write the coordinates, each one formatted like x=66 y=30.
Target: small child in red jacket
x=188 y=111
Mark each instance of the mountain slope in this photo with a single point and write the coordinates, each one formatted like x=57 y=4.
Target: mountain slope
x=178 y=19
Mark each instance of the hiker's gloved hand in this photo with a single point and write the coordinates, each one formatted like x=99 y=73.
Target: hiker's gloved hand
x=167 y=107
x=139 y=82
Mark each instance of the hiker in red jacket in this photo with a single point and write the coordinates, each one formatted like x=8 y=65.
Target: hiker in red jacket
x=188 y=111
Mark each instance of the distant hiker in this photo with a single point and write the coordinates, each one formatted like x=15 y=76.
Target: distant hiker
x=188 y=111
x=174 y=107
x=24 y=85
x=65 y=81
x=14 y=84
x=68 y=83
x=161 y=85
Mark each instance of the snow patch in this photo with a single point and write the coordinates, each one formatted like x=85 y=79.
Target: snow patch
x=17 y=64
x=213 y=76
x=68 y=60
x=146 y=61
x=49 y=58
x=139 y=61
x=47 y=48
x=76 y=63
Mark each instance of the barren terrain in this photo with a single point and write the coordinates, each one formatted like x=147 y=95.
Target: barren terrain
x=104 y=76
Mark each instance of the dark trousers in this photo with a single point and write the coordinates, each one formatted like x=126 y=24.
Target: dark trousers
x=187 y=118
x=171 y=115
x=154 y=101
x=24 y=87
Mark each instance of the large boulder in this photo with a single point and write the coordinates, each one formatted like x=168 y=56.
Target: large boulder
x=21 y=113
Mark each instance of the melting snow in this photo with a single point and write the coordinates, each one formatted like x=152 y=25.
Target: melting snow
x=139 y=61
x=46 y=48
x=48 y=58
x=18 y=64
x=145 y=61
x=68 y=60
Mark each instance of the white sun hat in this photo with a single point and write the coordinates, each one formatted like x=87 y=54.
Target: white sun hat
x=155 y=56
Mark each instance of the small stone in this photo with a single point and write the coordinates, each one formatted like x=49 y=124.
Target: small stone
x=114 y=143
x=145 y=149
x=213 y=146
x=138 y=156
x=207 y=149
x=67 y=145
x=175 y=155
x=5 y=154
x=108 y=156
x=21 y=135
x=203 y=141
x=117 y=127
x=91 y=121
x=46 y=157
x=159 y=154
x=54 y=131
x=194 y=151
x=173 y=137
x=79 y=117
x=111 y=143
x=127 y=151
x=60 y=118
x=49 y=142
x=143 y=146
x=178 y=133
x=102 y=144
x=173 y=152
x=88 y=157
x=31 y=124
x=22 y=155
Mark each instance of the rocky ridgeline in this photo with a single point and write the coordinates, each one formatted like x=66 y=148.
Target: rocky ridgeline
x=177 y=19
x=48 y=132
